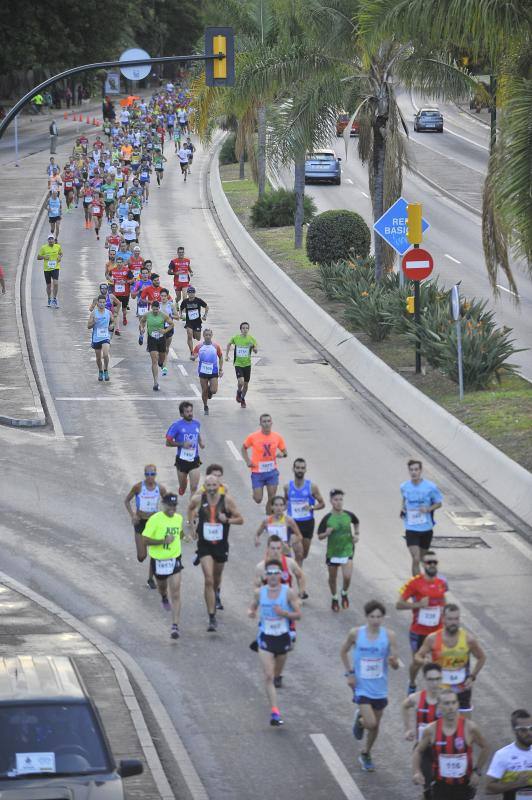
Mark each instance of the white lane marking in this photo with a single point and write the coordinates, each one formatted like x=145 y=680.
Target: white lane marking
x=232 y=447
x=336 y=767
x=506 y=290
x=448 y=130
x=172 y=353
x=182 y=369
x=195 y=390
x=515 y=540
x=364 y=193
x=452 y=258
x=196 y=394
x=348 y=180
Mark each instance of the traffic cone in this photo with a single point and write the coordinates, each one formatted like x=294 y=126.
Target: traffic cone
x=94 y=121
x=65 y=115
x=88 y=121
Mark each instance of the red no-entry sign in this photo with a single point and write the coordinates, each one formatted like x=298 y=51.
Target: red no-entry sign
x=417 y=264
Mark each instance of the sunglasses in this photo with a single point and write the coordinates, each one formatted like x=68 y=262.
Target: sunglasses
x=278 y=572
x=523 y=728
x=150 y=474
x=430 y=562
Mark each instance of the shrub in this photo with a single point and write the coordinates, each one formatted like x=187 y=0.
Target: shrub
x=227 y=150
x=336 y=236
x=277 y=209
x=370 y=312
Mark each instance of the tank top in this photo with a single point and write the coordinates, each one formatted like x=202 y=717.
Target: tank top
x=54 y=207
x=100 y=331
x=452 y=757
x=270 y=623
x=210 y=530
x=370 y=660
x=155 y=325
x=147 y=500
x=300 y=501
x=278 y=527
x=425 y=713
x=168 y=309
x=207 y=360
x=454 y=661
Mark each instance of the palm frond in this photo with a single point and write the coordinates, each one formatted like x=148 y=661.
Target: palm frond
x=495 y=234
x=435 y=77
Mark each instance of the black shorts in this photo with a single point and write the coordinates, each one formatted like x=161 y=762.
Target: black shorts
x=136 y=218
x=377 y=704
x=194 y=325
x=49 y=274
x=278 y=645
x=98 y=345
x=177 y=568
x=187 y=466
x=203 y=377
x=419 y=539
x=306 y=526
x=169 y=334
x=465 y=700
x=156 y=345
x=182 y=125
x=139 y=526
x=416 y=640
x=448 y=791
x=124 y=299
x=54 y=219
x=108 y=203
x=218 y=552
x=184 y=167
x=243 y=372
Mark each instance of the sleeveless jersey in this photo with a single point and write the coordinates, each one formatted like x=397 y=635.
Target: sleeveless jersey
x=300 y=501
x=210 y=530
x=452 y=757
x=270 y=623
x=100 y=331
x=54 y=207
x=425 y=713
x=370 y=660
x=454 y=661
x=278 y=527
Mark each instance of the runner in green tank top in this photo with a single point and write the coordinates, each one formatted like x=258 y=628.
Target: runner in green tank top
x=157 y=324
x=244 y=345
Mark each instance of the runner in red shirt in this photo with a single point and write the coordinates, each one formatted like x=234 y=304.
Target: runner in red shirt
x=68 y=187
x=114 y=238
x=121 y=277
x=153 y=292
x=424 y=595
x=86 y=199
x=136 y=262
x=97 y=209
x=181 y=270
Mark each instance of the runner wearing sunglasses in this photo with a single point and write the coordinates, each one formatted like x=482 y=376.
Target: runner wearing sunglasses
x=147 y=495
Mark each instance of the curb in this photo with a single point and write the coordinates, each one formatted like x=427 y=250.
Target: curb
x=493 y=478
x=443 y=191
x=473 y=116
x=122 y=663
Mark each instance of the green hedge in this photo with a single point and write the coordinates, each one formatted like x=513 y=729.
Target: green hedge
x=277 y=209
x=337 y=235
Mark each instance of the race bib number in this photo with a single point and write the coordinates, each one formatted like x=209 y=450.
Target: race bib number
x=110 y=194
x=164 y=566
x=213 y=532
x=205 y=368
x=68 y=184
x=266 y=466
x=193 y=313
x=148 y=504
x=242 y=352
x=415 y=517
x=452 y=766
x=143 y=175
x=300 y=509
x=182 y=277
x=96 y=209
x=278 y=530
x=339 y=559
x=453 y=677
x=102 y=333
x=156 y=334
x=187 y=453
x=429 y=616
x=87 y=200
x=274 y=626
x=371 y=668
x=52 y=264
x=120 y=288
x=141 y=310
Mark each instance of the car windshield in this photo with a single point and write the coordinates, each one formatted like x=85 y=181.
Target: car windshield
x=50 y=739
x=320 y=157
x=430 y=114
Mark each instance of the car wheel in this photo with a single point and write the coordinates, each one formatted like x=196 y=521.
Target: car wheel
x=415 y=128
x=440 y=130
x=338 y=180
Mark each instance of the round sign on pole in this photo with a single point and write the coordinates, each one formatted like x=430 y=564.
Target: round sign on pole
x=417 y=264
x=135 y=73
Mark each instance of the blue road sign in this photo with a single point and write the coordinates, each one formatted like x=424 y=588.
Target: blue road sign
x=392 y=226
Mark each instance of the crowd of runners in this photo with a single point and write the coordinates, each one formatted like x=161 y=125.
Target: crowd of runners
x=109 y=180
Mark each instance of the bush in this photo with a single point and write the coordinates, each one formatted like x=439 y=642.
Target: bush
x=370 y=312
x=338 y=236
x=277 y=209
x=227 y=150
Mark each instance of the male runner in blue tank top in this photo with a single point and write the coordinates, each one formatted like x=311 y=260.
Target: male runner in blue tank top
x=366 y=654
x=303 y=498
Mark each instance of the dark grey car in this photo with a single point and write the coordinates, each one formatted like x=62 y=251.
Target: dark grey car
x=52 y=742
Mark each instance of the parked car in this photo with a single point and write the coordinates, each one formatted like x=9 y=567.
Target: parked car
x=52 y=742
x=323 y=165
x=341 y=124
x=428 y=119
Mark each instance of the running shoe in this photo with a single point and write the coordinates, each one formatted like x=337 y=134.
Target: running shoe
x=165 y=370
x=175 y=632
x=335 y=605
x=181 y=491
x=366 y=763
x=141 y=339
x=100 y=375
x=105 y=375
x=303 y=596
x=54 y=302
x=219 y=604
x=206 y=410
x=412 y=688
x=117 y=332
x=243 y=404
x=238 y=396
x=155 y=387
x=124 y=320
x=166 y=603
x=213 y=623
x=358 y=728
x=150 y=583
x=345 y=601
x=278 y=681
x=275 y=719
x=49 y=302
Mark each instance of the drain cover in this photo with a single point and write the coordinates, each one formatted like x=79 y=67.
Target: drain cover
x=311 y=361
x=473 y=520
x=459 y=542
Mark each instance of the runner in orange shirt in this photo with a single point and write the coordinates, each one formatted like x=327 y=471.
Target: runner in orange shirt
x=266 y=447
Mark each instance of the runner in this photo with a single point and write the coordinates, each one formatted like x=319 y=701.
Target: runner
x=451 y=739
x=51 y=253
x=144 y=179
x=210 y=367
x=114 y=238
x=424 y=595
x=425 y=707
x=190 y=310
x=86 y=198
x=186 y=436
x=421 y=498
x=191 y=150
x=147 y=495
x=55 y=211
x=182 y=272
x=112 y=304
x=182 y=118
x=109 y=193
x=182 y=155
x=244 y=345
x=282 y=525
x=158 y=164
x=163 y=534
x=136 y=262
x=277 y=605
x=130 y=229
x=121 y=278
x=153 y=291
x=451 y=647
x=99 y=323
x=169 y=308
x=266 y=447
x=303 y=498
x=213 y=514
x=510 y=769
x=367 y=653
x=136 y=292
x=156 y=324
x=68 y=188
x=341 y=529
x=97 y=212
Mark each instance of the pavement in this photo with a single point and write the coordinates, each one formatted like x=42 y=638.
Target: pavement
x=63 y=492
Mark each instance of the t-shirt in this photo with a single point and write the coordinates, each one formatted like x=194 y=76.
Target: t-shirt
x=264 y=450
x=192 y=309
x=340 y=542
x=51 y=253
x=243 y=345
x=129 y=228
x=425 y=493
x=185 y=431
x=419 y=587
x=180 y=269
x=151 y=293
x=121 y=278
x=157 y=527
x=507 y=763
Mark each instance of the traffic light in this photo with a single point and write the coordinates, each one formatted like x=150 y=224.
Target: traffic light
x=220 y=71
x=414 y=232
x=410 y=308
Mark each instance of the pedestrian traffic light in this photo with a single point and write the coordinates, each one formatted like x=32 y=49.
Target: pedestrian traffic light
x=410 y=308
x=414 y=232
x=220 y=68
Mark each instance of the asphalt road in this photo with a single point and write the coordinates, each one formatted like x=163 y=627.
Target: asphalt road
x=66 y=534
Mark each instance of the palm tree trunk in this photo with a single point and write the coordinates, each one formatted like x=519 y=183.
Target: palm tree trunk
x=261 y=155
x=241 y=162
x=299 y=189
x=377 y=166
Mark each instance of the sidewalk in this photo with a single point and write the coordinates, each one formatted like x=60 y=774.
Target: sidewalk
x=28 y=628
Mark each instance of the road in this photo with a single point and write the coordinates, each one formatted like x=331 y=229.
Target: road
x=454 y=238
x=66 y=534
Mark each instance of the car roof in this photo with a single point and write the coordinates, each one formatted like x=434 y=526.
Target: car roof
x=39 y=678
x=430 y=108
x=321 y=151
